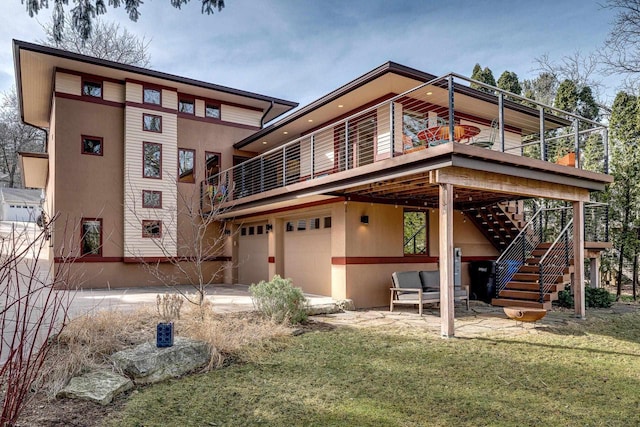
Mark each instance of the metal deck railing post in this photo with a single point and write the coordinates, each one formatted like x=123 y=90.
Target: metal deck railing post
x=501 y=120
x=451 y=106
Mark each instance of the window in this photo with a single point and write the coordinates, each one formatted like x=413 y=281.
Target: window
x=243 y=231
x=91 y=239
x=302 y=225
x=186 y=165
x=152 y=96
x=152 y=160
x=260 y=229
x=151 y=199
x=415 y=233
x=90 y=88
x=289 y=226
x=92 y=145
x=152 y=228
x=186 y=106
x=252 y=231
x=212 y=110
x=212 y=165
x=327 y=222
x=314 y=223
x=152 y=123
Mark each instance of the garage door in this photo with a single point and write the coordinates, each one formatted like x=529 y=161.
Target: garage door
x=19 y=213
x=307 y=254
x=253 y=254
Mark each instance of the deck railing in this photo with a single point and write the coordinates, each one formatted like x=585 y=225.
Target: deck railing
x=448 y=109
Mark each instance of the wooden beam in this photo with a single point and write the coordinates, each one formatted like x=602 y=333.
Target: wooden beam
x=507 y=184
x=446 y=260
x=578 y=259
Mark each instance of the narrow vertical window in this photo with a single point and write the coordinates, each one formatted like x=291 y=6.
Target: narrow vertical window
x=152 y=123
x=415 y=233
x=186 y=165
x=92 y=145
x=91 y=239
x=152 y=160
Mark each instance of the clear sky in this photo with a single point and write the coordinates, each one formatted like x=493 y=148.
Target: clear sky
x=301 y=49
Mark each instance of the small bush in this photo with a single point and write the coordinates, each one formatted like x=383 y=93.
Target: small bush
x=168 y=306
x=594 y=298
x=279 y=301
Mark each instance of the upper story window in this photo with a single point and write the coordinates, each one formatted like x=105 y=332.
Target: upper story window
x=151 y=199
x=152 y=160
x=212 y=110
x=186 y=165
x=92 y=145
x=152 y=123
x=186 y=106
x=92 y=88
x=151 y=228
x=152 y=96
x=212 y=165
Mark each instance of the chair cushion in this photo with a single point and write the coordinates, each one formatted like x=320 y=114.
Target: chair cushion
x=430 y=280
x=407 y=279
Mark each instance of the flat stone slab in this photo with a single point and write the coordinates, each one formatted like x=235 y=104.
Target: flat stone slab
x=147 y=364
x=99 y=386
x=319 y=309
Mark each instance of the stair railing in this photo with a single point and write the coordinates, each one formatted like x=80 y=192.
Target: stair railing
x=510 y=261
x=557 y=258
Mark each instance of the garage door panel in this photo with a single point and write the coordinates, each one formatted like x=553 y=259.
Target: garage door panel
x=308 y=260
x=253 y=255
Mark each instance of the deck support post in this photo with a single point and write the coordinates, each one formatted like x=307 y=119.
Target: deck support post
x=446 y=259
x=578 y=259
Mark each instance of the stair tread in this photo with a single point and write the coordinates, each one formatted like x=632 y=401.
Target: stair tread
x=508 y=302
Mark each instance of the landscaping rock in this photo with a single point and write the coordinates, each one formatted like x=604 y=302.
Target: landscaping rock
x=346 y=305
x=147 y=364
x=315 y=310
x=97 y=386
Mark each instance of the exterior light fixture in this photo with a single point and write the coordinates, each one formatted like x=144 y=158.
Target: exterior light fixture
x=340 y=106
x=269 y=227
x=364 y=219
x=310 y=120
x=285 y=133
x=264 y=142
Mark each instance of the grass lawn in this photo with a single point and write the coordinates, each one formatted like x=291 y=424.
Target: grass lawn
x=579 y=375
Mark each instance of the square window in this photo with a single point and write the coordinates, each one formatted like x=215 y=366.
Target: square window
x=186 y=106
x=260 y=229
x=91 y=239
x=151 y=199
x=302 y=224
x=243 y=231
x=92 y=89
x=252 y=231
x=186 y=165
x=289 y=226
x=314 y=223
x=92 y=145
x=152 y=160
x=211 y=110
x=152 y=96
x=415 y=233
x=152 y=123
x=152 y=228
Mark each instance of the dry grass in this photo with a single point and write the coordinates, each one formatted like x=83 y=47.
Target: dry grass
x=89 y=340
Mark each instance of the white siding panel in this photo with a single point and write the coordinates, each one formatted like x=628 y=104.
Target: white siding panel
x=135 y=244
x=113 y=92
x=199 y=108
x=323 y=152
x=384 y=132
x=68 y=83
x=170 y=99
x=134 y=92
x=240 y=115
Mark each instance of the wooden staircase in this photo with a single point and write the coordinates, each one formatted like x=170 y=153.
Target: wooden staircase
x=499 y=223
x=523 y=289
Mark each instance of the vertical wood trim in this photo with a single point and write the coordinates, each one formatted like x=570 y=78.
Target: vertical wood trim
x=446 y=259
x=578 y=259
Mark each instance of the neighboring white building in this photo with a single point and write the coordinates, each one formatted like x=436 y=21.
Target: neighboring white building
x=18 y=204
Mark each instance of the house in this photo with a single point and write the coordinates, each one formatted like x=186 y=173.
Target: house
x=19 y=204
x=389 y=172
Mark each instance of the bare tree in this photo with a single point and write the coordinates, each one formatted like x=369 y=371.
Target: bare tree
x=32 y=312
x=15 y=136
x=621 y=52
x=106 y=41
x=196 y=251
x=576 y=67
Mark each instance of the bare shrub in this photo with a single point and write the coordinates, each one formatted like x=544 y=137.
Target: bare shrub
x=168 y=306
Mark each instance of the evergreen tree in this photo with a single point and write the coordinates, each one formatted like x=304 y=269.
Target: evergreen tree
x=509 y=81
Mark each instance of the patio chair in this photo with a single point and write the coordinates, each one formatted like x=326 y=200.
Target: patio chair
x=487 y=141
x=407 y=290
x=431 y=283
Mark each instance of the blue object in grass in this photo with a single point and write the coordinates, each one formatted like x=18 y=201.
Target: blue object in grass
x=164 y=334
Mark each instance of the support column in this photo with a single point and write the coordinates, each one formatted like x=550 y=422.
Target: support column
x=446 y=260
x=594 y=272
x=578 y=259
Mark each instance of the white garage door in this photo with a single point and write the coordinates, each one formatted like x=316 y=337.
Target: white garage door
x=253 y=254
x=307 y=253
x=20 y=213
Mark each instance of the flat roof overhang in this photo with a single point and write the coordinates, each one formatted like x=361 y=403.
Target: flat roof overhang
x=35 y=169
x=480 y=177
x=382 y=83
x=35 y=66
